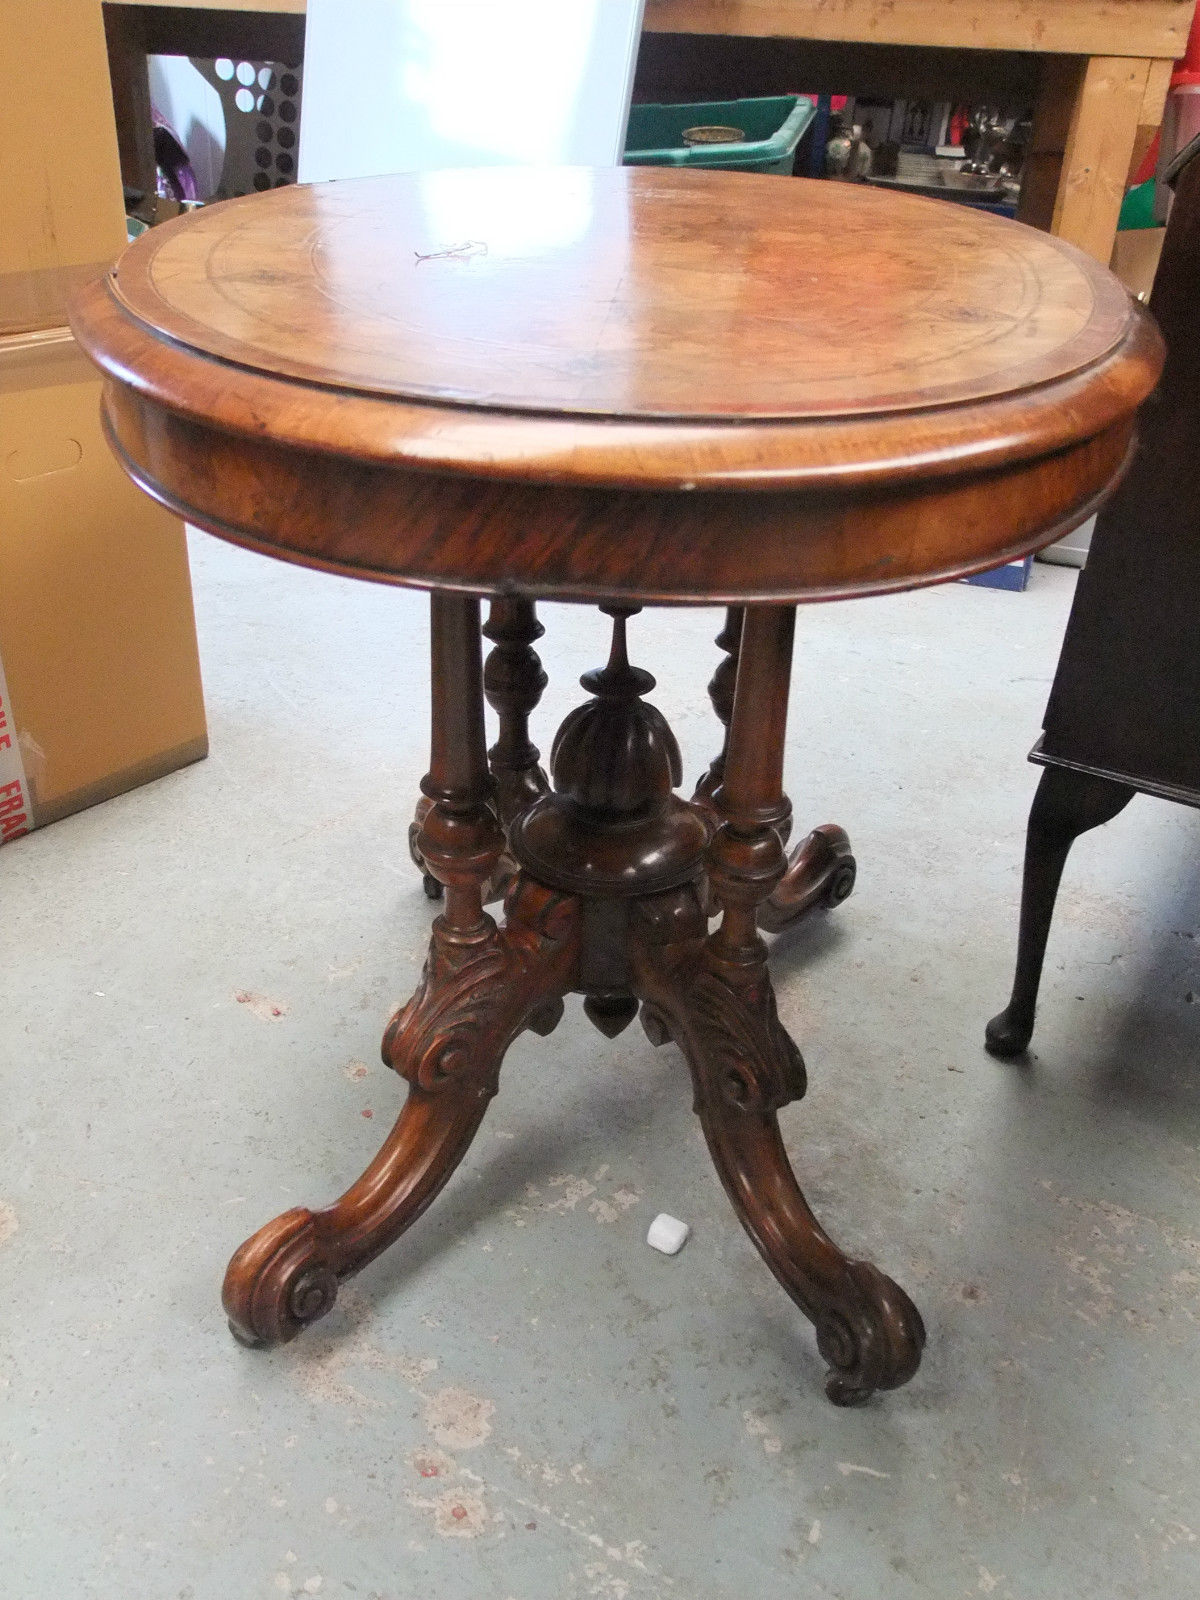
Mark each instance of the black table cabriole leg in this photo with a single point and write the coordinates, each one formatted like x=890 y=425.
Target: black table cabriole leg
x=1066 y=804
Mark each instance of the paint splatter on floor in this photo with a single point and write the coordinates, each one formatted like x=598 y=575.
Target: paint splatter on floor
x=458 y=1419
x=261 y=1005
x=462 y=1516
x=429 y=1463
x=573 y=1191
x=457 y=1513
x=609 y=1210
x=759 y=1428
x=320 y=1362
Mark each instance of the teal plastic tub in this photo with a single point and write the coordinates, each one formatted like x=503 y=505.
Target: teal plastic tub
x=772 y=128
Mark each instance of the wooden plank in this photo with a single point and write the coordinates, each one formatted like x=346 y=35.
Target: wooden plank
x=1158 y=81
x=1070 y=27
x=1104 y=122
x=294 y=7
x=1062 y=27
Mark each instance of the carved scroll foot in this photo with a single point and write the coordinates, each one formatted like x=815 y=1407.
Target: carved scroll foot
x=744 y=1067
x=287 y=1275
x=477 y=994
x=820 y=874
x=867 y=1328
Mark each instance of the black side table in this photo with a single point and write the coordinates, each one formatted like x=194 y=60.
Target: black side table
x=1124 y=709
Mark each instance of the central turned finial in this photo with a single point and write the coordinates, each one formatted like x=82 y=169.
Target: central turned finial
x=613 y=826
x=618 y=680
x=616 y=756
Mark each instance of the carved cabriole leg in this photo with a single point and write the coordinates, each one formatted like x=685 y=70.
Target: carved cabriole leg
x=712 y=994
x=481 y=987
x=1066 y=804
x=822 y=869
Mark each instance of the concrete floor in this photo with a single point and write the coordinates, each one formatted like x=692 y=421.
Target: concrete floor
x=521 y=1401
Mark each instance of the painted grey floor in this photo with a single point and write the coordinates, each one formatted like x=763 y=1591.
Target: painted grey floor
x=522 y=1401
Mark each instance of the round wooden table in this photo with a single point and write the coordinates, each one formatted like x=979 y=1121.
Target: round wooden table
x=626 y=387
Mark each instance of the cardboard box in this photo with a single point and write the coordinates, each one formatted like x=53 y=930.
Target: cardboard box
x=99 y=676
x=1135 y=258
x=62 y=211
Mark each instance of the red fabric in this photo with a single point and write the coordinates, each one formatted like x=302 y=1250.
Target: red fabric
x=1149 y=162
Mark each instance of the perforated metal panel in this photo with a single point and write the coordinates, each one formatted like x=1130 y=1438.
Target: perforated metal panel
x=261 y=101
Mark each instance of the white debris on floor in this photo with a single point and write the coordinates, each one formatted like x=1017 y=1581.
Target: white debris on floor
x=667 y=1234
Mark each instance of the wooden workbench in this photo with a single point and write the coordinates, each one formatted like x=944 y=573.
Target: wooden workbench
x=1096 y=70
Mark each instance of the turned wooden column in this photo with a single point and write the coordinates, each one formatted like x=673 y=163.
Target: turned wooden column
x=460 y=839
x=720 y=694
x=746 y=859
x=513 y=680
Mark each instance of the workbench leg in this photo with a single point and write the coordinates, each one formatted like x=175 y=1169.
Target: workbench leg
x=1085 y=131
x=1154 y=101
x=129 y=70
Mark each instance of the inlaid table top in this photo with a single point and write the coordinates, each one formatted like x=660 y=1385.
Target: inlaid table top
x=375 y=375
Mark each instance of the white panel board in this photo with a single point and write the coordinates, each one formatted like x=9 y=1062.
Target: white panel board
x=193 y=108
x=415 y=85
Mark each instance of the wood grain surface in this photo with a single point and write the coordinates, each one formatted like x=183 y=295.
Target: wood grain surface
x=1069 y=27
x=550 y=382
x=626 y=292
x=1150 y=27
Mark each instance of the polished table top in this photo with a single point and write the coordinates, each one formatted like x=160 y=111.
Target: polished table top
x=600 y=358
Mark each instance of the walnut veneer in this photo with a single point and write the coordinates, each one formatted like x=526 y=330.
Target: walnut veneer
x=629 y=386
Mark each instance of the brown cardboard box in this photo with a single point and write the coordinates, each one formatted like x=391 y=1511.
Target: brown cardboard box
x=99 y=674
x=1135 y=258
x=61 y=207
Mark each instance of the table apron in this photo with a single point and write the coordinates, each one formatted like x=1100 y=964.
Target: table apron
x=437 y=531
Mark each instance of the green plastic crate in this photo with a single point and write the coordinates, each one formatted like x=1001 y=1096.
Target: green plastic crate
x=773 y=128
x=1137 y=208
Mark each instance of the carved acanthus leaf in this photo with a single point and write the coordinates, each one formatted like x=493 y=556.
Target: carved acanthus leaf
x=475 y=997
x=747 y=1057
